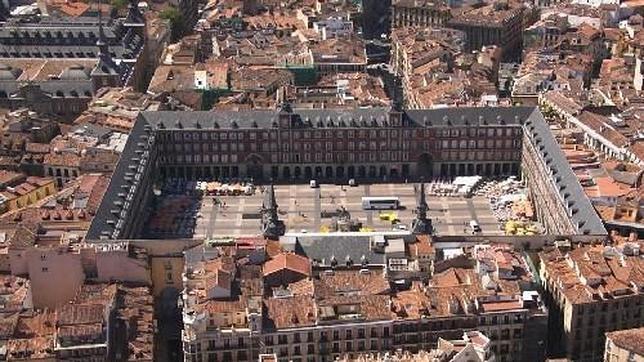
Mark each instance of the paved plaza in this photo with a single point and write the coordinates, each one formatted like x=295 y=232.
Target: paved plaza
x=305 y=208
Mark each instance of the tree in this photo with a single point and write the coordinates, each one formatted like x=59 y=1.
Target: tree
x=177 y=22
x=118 y=4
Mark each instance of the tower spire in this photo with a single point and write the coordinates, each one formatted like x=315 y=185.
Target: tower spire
x=272 y=226
x=101 y=43
x=270 y=204
x=134 y=17
x=421 y=224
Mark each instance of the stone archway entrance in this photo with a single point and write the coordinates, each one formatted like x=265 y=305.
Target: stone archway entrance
x=425 y=166
x=254 y=167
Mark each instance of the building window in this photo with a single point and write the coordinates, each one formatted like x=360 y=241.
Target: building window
x=45 y=269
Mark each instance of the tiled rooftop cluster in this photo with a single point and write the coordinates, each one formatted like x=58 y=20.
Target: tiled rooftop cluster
x=340 y=91
x=63 y=63
x=85 y=148
x=25 y=138
x=629 y=340
x=543 y=70
x=17 y=195
x=116 y=109
x=319 y=289
x=82 y=326
x=494 y=13
x=436 y=70
x=55 y=215
x=253 y=53
x=592 y=273
x=597 y=289
x=357 y=83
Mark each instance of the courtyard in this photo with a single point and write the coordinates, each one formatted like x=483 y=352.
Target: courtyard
x=306 y=209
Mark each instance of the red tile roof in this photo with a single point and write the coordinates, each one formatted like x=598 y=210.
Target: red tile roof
x=290 y=261
x=629 y=339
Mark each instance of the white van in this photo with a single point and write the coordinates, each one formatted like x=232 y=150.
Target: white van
x=313 y=184
x=474 y=226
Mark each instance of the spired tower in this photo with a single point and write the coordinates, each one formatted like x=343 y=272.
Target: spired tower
x=134 y=18
x=272 y=226
x=421 y=224
x=106 y=73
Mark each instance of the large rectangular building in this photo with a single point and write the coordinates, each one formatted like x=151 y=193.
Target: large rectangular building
x=591 y=290
x=365 y=144
x=313 y=312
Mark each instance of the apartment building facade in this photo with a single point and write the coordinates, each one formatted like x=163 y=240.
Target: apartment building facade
x=418 y=13
x=624 y=345
x=350 y=310
x=369 y=144
x=591 y=290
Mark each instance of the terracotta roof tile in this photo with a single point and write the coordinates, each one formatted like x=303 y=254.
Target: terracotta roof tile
x=290 y=261
x=297 y=311
x=629 y=339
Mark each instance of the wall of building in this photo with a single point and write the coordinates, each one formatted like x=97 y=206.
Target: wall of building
x=55 y=275
x=118 y=265
x=533 y=242
x=18 y=261
x=31 y=197
x=422 y=16
x=324 y=343
x=341 y=153
x=33 y=98
x=614 y=353
x=62 y=174
x=166 y=262
x=329 y=341
x=582 y=337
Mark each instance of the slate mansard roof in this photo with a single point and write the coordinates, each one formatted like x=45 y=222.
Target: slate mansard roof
x=115 y=208
x=67 y=40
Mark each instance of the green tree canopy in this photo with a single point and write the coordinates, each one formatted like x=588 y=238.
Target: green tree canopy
x=177 y=22
x=118 y=4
